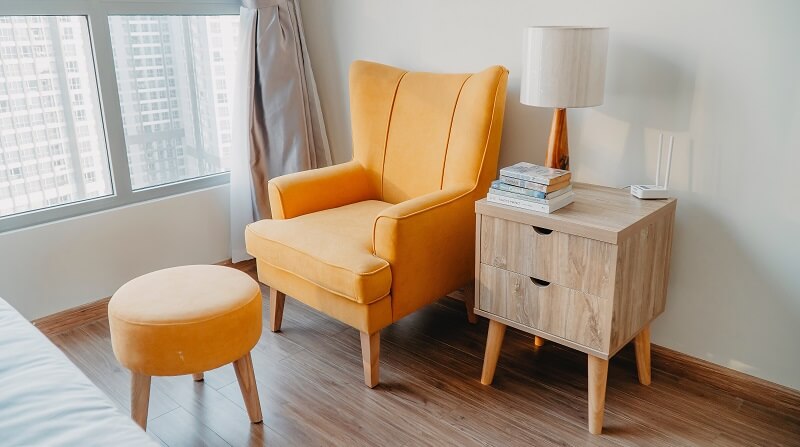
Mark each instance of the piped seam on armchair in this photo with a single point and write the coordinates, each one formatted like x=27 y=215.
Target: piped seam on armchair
x=316 y=284
x=388 y=127
x=331 y=265
x=450 y=130
x=477 y=178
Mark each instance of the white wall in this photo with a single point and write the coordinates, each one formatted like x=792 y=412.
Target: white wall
x=52 y=267
x=722 y=76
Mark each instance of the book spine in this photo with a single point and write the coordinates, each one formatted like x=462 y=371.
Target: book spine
x=522 y=183
x=517 y=196
x=526 y=177
x=558 y=192
x=504 y=200
x=497 y=184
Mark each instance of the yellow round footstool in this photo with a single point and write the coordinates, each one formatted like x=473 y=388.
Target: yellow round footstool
x=186 y=320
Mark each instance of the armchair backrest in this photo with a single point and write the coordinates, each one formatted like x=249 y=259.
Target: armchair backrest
x=417 y=133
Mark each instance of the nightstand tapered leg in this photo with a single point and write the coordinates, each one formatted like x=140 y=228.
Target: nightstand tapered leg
x=642 y=344
x=493 y=343
x=598 y=374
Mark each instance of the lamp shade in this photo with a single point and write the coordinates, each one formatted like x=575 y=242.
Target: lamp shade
x=563 y=66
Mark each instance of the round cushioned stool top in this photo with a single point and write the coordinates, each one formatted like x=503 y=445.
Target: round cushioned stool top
x=185 y=320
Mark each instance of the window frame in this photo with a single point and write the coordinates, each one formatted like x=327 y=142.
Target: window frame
x=97 y=13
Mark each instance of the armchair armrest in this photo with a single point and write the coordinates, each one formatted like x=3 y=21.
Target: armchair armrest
x=429 y=241
x=305 y=192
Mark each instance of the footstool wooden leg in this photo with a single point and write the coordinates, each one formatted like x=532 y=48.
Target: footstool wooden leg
x=140 y=398
x=370 y=357
x=598 y=375
x=247 y=383
x=198 y=377
x=276 y=300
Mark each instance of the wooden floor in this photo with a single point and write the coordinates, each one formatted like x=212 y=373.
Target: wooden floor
x=312 y=392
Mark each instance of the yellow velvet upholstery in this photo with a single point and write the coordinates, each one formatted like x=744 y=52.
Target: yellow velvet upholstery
x=347 y=268
x=394 y=227
x=185 y=320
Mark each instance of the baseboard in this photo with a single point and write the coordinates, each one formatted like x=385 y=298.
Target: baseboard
x=88 y=313
x=72 y=318
x=664 y=360
x=745 y=386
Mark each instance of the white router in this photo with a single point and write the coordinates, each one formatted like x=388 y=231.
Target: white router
x=656 y=191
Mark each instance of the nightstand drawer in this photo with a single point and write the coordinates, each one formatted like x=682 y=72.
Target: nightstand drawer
x=571 y=261
x=551 y=308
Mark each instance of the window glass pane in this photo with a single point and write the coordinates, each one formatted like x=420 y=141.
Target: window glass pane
x=46 y=62
x=174 y=75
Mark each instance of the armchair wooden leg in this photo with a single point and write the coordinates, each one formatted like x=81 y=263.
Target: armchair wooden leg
x=276 y=300
x=370 y=356
x=247 y=383
x=538 y=341
x=642 y=345
x=469 y=302
x=140 y=398
x=197 y=377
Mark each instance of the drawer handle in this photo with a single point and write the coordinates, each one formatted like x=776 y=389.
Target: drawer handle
x=542 y=231
x=540 y=282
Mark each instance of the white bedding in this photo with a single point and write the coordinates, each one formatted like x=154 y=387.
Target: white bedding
x=45 y=400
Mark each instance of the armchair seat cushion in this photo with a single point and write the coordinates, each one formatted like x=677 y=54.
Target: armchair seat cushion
x=331 y=249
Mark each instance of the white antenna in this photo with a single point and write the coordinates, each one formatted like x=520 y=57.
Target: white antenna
x=669 y=160
x=658 y=160
x=657 y=191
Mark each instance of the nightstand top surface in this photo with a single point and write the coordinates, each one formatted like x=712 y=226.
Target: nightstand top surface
x=598 y=212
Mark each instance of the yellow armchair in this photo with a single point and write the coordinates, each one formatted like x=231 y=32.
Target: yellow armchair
x=372 y=240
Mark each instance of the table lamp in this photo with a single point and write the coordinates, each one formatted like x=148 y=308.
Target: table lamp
x=563 y=66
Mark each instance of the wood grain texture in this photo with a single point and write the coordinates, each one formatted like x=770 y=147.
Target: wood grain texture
x=553 y=309
x=598 y=212
x=140 y=398
x=247 y=384
x=571 y=261
x=642 y=344
x=494 y=341
x=598 y=377
x=72 y=318
x=276 y=303
x=641 y=279
x=558 y=142
x=431 y=393
x=370 y=357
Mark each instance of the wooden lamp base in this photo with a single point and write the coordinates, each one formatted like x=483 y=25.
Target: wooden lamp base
x=557 y=145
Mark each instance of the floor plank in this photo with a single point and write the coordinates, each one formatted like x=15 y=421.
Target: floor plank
x=310 y=382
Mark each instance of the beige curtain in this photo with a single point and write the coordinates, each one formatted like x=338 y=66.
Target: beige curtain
x=279 y=127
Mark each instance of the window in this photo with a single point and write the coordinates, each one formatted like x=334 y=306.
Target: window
x=194 y=81
x=28 y=112
x=173 y=90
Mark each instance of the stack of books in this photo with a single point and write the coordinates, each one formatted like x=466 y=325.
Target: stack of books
x=533 y=187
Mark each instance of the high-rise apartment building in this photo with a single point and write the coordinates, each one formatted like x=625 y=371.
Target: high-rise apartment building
x=174 y=83
x=174 y=92
x=52 y=149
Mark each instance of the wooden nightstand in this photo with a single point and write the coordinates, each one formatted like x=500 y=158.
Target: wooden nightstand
x=591 y=276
